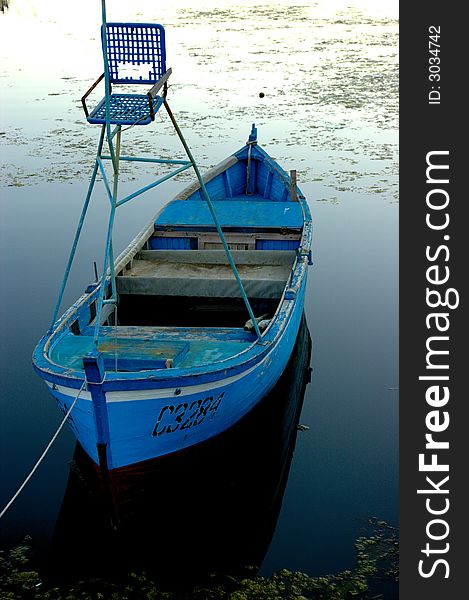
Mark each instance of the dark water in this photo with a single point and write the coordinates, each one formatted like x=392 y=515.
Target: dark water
x=329 y=71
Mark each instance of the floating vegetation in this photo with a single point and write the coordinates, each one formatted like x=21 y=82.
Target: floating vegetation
x=329 y=78
x=377 y=560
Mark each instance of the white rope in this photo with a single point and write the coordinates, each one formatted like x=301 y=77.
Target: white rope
x=41 y=458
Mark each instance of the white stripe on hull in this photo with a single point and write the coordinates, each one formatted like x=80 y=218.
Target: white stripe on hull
x=157 y=393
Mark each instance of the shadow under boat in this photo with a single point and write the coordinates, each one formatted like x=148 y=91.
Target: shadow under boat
x=212 y=509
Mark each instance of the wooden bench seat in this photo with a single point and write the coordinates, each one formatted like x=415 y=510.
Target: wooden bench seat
x=246 y=213
x=206 y=273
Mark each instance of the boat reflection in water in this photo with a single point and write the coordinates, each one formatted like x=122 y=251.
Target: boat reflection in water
x=212 y=509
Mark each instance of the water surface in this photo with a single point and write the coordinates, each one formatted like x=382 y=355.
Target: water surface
x=328 y=71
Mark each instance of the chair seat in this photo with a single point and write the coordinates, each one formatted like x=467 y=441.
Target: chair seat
x=126 y=109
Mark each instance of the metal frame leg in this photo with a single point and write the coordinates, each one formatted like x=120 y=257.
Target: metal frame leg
x=108 y=251
x=215 y=219
x=78 y=231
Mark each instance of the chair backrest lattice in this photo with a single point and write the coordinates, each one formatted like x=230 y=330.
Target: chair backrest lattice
x=136 y=52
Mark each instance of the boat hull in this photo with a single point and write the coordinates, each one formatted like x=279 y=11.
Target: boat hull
x=152 y=422
x=178 y=363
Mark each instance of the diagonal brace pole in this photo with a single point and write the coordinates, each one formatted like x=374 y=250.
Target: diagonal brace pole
x=108 y=253
x=215 y=219
x=78 y=231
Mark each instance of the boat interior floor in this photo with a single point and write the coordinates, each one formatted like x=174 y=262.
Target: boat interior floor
x=207 y=273
x=133 y=348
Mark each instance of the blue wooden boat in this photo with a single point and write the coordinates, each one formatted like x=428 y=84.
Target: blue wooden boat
x=169 y=386
x=193 y=324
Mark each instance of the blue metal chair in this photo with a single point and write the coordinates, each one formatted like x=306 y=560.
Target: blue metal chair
x=134 y=53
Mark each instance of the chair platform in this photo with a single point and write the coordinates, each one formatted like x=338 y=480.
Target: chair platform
x=125 y=109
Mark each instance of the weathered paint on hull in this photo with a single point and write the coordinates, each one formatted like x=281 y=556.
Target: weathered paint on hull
x=145 y=424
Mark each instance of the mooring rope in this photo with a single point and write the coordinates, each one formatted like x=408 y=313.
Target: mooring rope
x=41 y=458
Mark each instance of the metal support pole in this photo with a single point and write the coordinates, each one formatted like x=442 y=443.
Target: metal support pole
x=107 y=85
x=154 y=184
x=114 y=201
x=107 y=252
x=215 y=219
x=78 y=231
x=112 y=195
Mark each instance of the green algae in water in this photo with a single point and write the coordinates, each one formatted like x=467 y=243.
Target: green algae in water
x=377 y=559
x=330 y=79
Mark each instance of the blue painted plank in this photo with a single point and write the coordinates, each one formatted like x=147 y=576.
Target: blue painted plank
x=233 y=214
x=173 y=243
x=142 y=353
x=277 y=244
x=237 y=174
x=136 y=354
